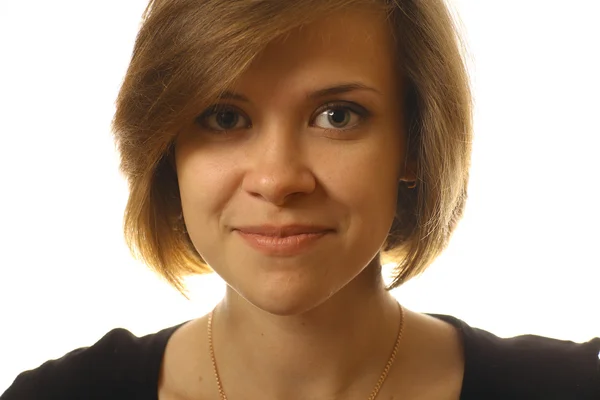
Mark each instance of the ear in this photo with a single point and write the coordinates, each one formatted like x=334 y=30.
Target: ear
x=409 y=171
x=170 y=155
x=172 y=161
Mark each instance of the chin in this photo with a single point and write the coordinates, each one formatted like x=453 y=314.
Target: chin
x=286 y=299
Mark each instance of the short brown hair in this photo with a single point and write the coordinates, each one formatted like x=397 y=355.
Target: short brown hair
x=189 y=51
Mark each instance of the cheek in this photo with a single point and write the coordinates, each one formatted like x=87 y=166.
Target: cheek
x=367 y=173
x=365 y=184
x=204 y=181
x=373 y=201
x=205 y=185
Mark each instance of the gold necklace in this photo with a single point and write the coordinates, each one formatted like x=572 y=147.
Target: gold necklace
x=375 y=391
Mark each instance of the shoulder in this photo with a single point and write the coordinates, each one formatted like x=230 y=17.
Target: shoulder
x=119 y=362
x=527 y=366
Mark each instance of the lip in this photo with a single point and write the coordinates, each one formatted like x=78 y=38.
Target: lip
x=282 y=230
x=283 y=241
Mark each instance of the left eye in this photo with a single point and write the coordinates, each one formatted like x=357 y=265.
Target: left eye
x=337 y=118
x=223 y=119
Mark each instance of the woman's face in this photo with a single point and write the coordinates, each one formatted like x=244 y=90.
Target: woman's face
x=289 y=189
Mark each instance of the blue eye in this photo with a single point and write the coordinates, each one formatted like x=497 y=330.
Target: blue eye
x=223 y=118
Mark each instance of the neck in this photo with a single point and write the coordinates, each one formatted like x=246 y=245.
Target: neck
x=337 y=349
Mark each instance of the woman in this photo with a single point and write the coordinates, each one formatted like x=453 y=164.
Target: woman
x=291 y=146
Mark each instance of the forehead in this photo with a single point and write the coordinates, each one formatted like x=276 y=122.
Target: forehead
x=354 y=44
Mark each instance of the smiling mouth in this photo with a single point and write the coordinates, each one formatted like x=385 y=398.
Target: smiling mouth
x=282 y=245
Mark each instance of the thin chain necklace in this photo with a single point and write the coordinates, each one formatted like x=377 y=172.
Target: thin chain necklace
x=375 y=391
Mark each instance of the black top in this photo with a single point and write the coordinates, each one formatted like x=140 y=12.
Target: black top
x=123 y=366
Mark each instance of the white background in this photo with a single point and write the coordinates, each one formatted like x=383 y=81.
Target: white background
x=524 y=260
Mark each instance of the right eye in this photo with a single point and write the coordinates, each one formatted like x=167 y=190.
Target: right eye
x=223 y=118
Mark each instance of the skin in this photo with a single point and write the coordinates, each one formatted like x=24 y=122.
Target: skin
x=319 y=324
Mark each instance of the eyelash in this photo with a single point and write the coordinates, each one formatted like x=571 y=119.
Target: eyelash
x=352 y=107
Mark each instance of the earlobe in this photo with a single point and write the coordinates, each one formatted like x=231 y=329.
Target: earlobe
x=411 y=184
x=409 y=172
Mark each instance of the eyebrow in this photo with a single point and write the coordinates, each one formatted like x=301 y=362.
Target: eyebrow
x=341 y=89
x=328 y=91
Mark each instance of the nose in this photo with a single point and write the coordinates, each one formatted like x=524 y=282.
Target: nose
x=278 y=170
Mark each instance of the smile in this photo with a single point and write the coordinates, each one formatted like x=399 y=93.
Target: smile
x=282 y=246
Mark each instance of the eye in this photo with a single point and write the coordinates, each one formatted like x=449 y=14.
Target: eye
x=339 y=116
x=223 y=118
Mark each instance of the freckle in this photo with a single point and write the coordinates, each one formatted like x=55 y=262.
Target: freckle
x=200 y=379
